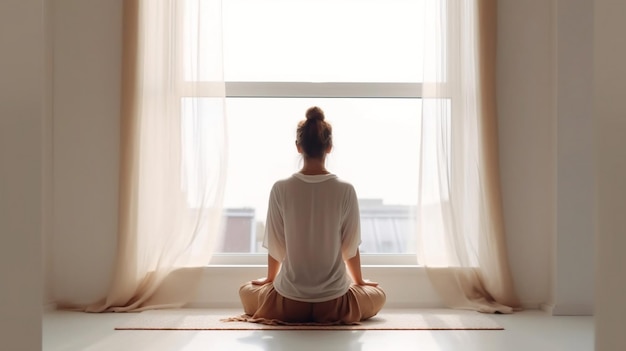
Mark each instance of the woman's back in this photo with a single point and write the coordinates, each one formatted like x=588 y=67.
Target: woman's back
x=313 y=223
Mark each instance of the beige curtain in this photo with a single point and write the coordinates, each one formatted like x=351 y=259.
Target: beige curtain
x=172 y=154
x=461 y=234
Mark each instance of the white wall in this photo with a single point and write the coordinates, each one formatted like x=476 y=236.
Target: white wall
x=527 y=130
x=573 y=256
x=610 y=167
x=87 y=64
x=533 y=115
x=23 y=110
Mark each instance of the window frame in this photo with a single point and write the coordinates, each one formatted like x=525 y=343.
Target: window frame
x=322 y=90
x=269 y=90
x=279 y=89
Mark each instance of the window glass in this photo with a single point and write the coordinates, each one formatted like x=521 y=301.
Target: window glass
x=323 y=40
x=376 y=144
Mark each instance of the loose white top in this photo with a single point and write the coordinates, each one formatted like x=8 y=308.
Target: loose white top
x=312 y=226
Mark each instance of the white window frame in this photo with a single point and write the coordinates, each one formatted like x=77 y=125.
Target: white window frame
x=322 y=90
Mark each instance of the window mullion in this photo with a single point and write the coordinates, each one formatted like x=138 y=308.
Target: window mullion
x=323 y=90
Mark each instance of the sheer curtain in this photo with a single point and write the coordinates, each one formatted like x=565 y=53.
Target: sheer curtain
x=461 y=237
x=173 y=152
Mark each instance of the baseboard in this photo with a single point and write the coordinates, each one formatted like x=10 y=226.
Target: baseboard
x=572 y=309
x=564 y=309
x=531 y=305
x=49 y=306
x=547 y=307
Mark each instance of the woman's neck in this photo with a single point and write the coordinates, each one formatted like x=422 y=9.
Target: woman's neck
x=314 y=166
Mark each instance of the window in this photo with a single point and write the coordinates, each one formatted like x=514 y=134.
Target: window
x=361 y=62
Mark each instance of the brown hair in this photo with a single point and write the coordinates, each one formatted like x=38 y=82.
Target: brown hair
x=314 y=135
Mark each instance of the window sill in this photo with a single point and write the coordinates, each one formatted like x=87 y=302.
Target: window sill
x=234 y=259
x=365 y=266
x=406 y=286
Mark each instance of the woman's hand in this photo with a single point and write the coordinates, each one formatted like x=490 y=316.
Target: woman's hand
x=367 y=282
x=262 y=281
x=273 y=267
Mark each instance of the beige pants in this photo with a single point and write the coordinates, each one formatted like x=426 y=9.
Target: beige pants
x=262 y=302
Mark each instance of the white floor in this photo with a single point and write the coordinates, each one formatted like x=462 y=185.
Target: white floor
x=527 y=330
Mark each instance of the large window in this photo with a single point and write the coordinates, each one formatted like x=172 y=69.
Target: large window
x=361 y=62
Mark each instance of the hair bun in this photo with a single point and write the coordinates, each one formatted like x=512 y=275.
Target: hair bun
x=315 y=113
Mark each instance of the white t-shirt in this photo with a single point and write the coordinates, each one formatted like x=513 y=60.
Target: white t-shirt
x=312 y=225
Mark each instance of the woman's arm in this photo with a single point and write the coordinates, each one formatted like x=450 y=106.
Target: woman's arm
x=273 y=266
x=354 y=268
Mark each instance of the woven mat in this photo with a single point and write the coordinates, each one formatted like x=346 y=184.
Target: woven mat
x=209 y=319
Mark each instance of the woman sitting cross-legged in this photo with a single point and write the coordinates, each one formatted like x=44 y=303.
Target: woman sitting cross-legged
x=312 y=236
